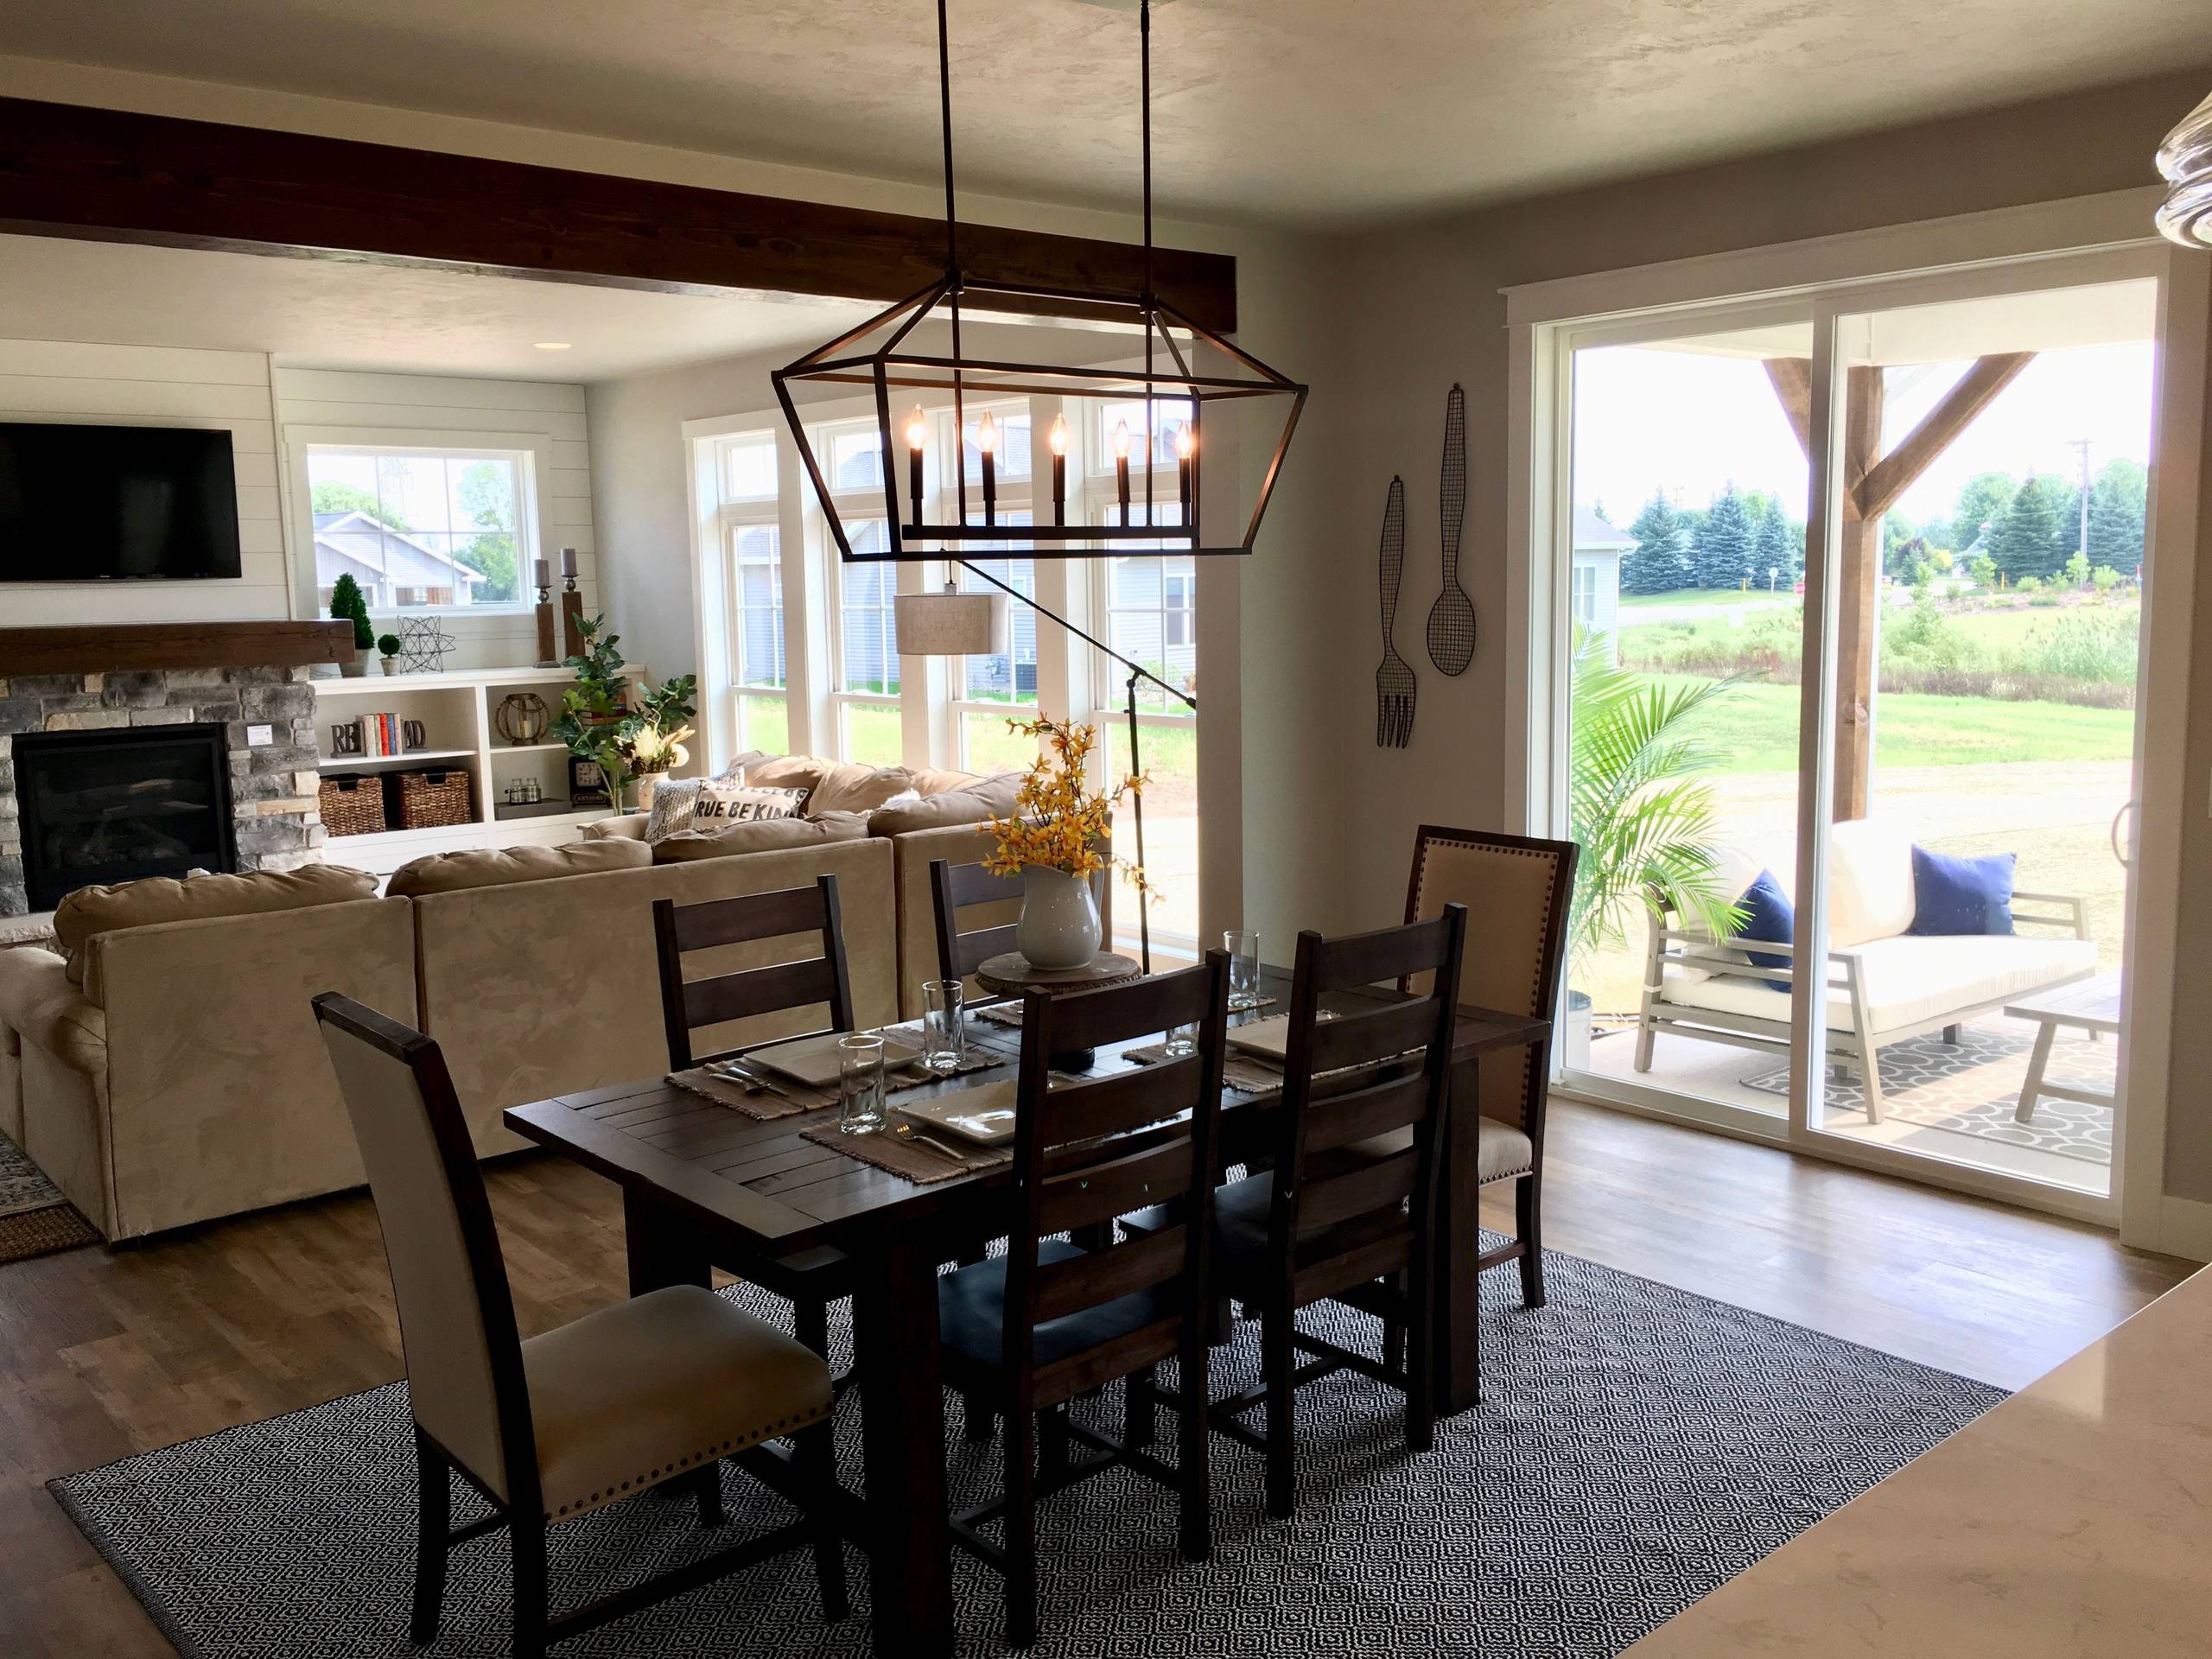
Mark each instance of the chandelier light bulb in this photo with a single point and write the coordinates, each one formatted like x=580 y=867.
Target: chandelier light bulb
x=1059 y=434
x=1121 y=441
x=917 y=429
x=987 y=434
x=1186 y=442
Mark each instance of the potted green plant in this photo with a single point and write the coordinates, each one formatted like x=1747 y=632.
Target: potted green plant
x=1641 y=810
x=388 y=652
x=600 y=723
x=348 y=604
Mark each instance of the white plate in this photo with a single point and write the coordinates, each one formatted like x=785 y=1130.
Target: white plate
x=813 y=1061
x=983 y=1114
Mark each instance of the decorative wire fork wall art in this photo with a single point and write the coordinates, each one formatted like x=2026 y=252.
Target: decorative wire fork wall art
x=1452 y=619
x=1393 y=679
x=423 y=644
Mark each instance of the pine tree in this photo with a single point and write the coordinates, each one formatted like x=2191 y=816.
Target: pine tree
x=1982 y=501
x=2116 y=509
x=2026 y=542
x=1723 y=543
x=1772 y=549
x=1661 y=562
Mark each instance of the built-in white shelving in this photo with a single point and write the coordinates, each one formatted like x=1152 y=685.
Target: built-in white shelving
x=456 y=711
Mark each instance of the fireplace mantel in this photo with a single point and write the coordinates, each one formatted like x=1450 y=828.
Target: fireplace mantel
x=173 y=644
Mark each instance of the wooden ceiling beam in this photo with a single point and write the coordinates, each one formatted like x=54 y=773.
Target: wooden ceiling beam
x=69 y=170
x=1792 y=378
x=1891 y=477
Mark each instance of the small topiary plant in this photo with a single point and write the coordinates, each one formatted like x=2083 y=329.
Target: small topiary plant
x=347 y=604
x=388 y=643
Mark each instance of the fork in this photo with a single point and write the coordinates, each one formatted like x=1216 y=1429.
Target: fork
x=1393 y=679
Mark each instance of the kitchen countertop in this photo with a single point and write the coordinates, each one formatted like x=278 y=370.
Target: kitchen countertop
x=2074 y=1519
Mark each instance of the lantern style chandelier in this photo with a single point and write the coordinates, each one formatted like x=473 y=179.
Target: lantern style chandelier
x=1187 y=367
x=2185 y=163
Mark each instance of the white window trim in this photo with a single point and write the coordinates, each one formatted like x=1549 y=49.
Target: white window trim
x=727 y=517
x=534 y=494
x=2094 y=239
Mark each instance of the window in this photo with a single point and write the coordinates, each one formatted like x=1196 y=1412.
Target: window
x=994 y=690
x=1585 y=595
x=746 y=473
x=421 y=529
x=869 y=726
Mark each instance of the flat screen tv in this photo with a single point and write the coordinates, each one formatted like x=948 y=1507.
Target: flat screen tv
x=115 y=503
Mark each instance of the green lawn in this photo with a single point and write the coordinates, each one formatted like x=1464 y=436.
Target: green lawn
x=1712 y=599
x=1755 y=727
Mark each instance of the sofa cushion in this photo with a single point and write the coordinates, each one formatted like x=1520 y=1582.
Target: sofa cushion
x=1870 y=882
x=39 y=1005
x=1961 y=895
x=1910 y=980
x=486 y=866
x=854 y=788
x=765 y=770
x=931 y=780
x=85 y=915
x=759 y=835
x=973 y=803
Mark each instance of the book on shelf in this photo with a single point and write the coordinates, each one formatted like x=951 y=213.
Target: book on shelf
x=382 y=736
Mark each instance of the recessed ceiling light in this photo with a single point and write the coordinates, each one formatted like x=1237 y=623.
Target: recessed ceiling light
x=552 y=344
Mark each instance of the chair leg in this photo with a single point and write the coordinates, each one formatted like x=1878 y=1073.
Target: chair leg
x=434 y=1520
x=1528 y=1212
x=1020 y=1527
x=815 y=1451
x=1141 y=1406
x=1277 y=1359
x=811 y=1325
x=1420 y=1309
x=1197 y=1506
x=1951 y=1035
x=1393 y=1328
x=1055 y=1447
x=977 y=1419
x=707 y=1487
x=526 y=1533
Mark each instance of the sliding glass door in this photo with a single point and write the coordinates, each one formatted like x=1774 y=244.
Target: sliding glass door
x=1844 y=594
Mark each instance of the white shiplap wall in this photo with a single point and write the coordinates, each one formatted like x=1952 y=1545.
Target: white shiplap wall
x=154 y=385
x=400 y=404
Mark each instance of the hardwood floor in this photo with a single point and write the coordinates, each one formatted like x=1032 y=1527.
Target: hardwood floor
x=103 y=1354
x=1981 y=1289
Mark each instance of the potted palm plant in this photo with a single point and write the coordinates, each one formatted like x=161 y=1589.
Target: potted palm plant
x=1641 y=810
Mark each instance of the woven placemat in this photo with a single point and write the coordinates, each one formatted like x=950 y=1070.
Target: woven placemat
x=895 y=1149
x=1010 y=1013
x=755 y=1100
x=1239 y=1071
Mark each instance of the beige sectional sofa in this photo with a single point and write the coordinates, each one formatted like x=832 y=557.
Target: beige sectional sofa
x=167 y=1070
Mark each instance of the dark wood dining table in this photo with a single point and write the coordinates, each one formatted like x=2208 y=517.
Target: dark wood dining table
x=703 y=1184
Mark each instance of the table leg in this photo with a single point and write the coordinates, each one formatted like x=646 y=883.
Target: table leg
x=1458 y=1246
x=664 y=1250
x=2039 y=1061
x=902 y=1431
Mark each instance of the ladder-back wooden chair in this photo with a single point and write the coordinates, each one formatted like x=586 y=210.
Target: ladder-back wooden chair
x=810 y=1279
x=1050 y=1321
x=651 y=1391
x=1339 y=1217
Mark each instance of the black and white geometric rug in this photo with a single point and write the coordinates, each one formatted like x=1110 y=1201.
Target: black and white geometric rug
x=1636 y=1446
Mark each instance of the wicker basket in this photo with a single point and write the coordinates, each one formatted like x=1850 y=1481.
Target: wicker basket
x=432 y=799
x=352 y=803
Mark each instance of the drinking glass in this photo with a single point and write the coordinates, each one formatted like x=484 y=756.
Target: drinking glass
x=944 y=1044
x=860 y=1078
x=1182 y=1042
x=1244 y=968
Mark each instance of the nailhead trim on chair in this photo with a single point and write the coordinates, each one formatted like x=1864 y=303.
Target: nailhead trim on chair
x=1536 y=984
x=712 y=1454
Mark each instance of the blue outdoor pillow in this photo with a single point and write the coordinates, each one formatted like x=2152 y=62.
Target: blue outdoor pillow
x=1769 y=917
x=1961 y=895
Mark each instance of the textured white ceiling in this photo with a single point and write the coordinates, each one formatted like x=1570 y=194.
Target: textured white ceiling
x=1313 y=112
x=324 y=314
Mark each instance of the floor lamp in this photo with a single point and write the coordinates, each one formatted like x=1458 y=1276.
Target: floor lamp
x=953 y=624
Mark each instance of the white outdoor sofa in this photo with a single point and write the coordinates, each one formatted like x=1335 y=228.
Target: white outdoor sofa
x=1884 y=984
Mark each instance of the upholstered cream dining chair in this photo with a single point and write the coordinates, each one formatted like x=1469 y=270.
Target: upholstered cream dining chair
x=657 y=1390
x=1517 y=890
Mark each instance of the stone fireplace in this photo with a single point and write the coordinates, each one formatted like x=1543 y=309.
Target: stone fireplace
x=259 y=723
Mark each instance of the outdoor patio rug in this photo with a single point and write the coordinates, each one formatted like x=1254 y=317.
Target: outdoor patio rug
x=1638 y=1445
x=1973 y=1089
x=35 y=1219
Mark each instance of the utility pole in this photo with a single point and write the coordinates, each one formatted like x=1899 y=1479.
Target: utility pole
x=2083 y=445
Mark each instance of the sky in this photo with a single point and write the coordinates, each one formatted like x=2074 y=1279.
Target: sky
x=1647 y=419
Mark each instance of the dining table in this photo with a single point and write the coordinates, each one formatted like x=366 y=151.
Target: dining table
x=703 y=1184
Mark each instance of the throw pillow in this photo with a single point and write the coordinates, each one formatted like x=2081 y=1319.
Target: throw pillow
x=720 y=803
x=674 y=803
x=1961 y=895
x=974 y=803
x=1771 y=919
x=858 y=789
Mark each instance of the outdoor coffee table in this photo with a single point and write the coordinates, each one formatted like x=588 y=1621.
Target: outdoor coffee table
x=2091 y=1004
